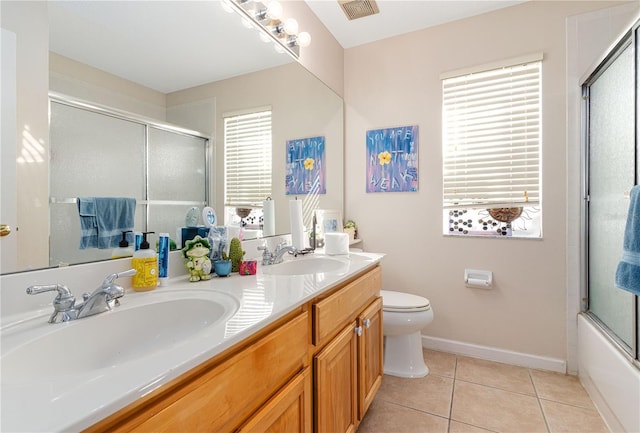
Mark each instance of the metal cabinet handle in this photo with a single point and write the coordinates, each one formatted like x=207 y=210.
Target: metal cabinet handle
x=366 y=323
x=5 y=229
x=358 y=331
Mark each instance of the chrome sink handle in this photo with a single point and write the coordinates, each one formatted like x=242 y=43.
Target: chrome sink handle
x=63 y=304
x=105 y=297
x=267 y=257
x=111 y=278
x=108 y=287
x=278 y=256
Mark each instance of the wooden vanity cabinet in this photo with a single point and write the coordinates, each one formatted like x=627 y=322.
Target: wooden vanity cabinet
x=348 y=364
x=222 y=394
x=316 y=369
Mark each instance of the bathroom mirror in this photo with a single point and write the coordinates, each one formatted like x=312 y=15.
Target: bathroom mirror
x=239 y=84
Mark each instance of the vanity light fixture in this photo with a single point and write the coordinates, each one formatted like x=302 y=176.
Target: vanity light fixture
x=267 y=16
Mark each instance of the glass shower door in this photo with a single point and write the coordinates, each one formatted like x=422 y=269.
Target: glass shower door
x=611 y=174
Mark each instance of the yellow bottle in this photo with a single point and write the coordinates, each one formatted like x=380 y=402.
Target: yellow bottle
x=145 y=262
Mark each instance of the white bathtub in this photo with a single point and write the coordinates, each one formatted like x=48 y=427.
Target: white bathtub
x=610 y=378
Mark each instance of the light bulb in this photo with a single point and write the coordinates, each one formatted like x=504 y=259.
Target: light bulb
x=278 y=48
x=291 y=26
x=274 y=10
x=304 y=39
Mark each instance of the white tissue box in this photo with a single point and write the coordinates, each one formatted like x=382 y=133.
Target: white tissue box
x=336 y=244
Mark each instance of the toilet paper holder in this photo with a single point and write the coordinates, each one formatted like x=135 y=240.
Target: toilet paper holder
x=478 y=278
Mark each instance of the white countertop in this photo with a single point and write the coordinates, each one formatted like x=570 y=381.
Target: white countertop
x=72 y=402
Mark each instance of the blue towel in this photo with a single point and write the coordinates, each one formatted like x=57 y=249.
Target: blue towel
x=103 y=219
x=628 y=272
x=88 y=222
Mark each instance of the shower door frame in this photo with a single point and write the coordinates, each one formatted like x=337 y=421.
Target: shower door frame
x=629 y=38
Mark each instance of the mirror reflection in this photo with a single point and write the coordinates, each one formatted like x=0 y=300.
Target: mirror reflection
x=236 y=72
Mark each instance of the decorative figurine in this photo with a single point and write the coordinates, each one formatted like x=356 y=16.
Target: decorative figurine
x=235 y=254
x=196 y=251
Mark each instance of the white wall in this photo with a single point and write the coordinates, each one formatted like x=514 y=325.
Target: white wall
x=396 y=82
x=87 y=83
x=302 y=107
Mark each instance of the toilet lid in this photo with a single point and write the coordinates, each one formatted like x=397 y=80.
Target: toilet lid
x=397 y=301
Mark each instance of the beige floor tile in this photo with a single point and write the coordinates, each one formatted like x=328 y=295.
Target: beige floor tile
x=458 y=427
x=503 y=376
x=440 y=363
x=495 y=409
x=386 y=417
x=561 y=388
x=429 y=394
x=563 y=418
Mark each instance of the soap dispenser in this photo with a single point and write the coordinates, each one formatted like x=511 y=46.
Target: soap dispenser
x=145 y=262
x=123 y=250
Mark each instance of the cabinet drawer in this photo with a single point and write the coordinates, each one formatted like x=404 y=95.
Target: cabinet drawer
x=221 y=398
x=331 y=313
x=289 y=411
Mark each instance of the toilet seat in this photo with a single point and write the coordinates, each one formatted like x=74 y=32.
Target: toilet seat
x=403 y=302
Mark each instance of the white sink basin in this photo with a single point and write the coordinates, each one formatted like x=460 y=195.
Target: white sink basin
x=308 y=265
x=143 y=325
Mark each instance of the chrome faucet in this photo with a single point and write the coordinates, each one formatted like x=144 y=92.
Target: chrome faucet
x=104 y=298
x=275 y=257
x=281 y=251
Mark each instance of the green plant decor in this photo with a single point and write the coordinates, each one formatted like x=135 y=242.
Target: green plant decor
x=235 y=254
x=350 y=224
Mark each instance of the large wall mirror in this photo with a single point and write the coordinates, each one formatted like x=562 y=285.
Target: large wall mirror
x=188 y=64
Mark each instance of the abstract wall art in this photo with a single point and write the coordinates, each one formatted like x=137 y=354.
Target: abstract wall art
x=392 y=159
x=305 y=170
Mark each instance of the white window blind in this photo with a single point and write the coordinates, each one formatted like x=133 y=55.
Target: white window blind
x=491 y=137
x=247 y=140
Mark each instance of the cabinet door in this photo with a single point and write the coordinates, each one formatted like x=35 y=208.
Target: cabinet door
x=336 y=384
x=288 y=412
x=223 y=397
x=369 y=355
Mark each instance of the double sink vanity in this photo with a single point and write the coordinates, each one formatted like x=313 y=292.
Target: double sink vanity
x=296 y=347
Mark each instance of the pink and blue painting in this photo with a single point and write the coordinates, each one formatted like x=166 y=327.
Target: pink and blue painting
x=305 y=171
x=392 y=159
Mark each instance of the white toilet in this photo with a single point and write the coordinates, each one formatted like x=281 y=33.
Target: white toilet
x=403 y=316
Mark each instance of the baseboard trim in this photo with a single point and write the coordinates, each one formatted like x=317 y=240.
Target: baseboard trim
x=495 y=354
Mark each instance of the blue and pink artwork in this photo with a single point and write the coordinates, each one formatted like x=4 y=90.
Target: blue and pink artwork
x=305 y=166
x=392 y=159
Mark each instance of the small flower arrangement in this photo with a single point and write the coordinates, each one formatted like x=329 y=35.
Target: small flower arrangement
x=351 y=228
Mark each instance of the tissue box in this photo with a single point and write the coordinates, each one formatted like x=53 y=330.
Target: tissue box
x=336 y=243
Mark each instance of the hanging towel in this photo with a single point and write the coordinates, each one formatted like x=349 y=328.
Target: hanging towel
x=628 y=272
x=88 y=222
x=111 y=216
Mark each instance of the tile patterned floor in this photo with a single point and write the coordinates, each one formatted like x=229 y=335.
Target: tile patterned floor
x=468 y=395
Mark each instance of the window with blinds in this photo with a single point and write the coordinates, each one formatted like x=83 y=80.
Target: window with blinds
x=247 y=142
x=491 y=137
x=491 y=129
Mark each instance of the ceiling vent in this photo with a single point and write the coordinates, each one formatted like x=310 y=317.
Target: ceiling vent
x=355 y=9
